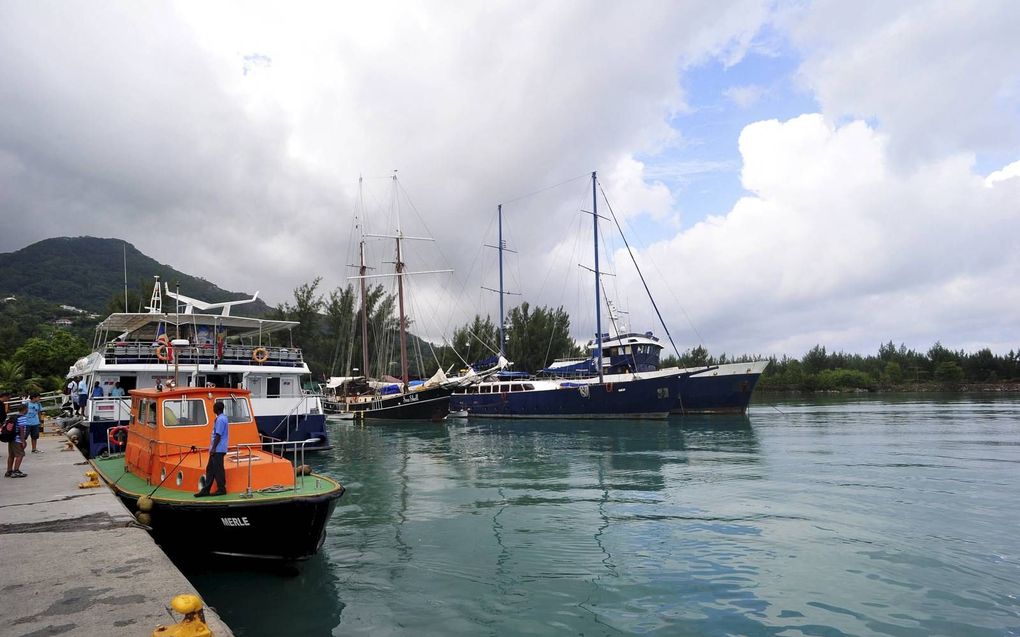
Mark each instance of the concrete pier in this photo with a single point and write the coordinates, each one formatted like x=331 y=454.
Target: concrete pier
x=70 y=561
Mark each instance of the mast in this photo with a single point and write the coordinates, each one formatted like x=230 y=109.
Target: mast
x=403 y=330
x=501 y=246
x=501 y=319
x=364 y=310
x=362 y=270
x=598 y=282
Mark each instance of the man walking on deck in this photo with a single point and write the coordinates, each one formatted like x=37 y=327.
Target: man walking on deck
x=214 y=470
x=33 y=419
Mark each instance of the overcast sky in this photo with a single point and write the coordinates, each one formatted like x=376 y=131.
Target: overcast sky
x=840 y=173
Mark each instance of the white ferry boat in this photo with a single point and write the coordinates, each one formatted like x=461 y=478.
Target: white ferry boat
x=192 y=347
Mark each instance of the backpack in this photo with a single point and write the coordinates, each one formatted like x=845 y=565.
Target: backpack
x=8 y=432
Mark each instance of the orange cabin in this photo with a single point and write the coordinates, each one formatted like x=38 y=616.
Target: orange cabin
x=166 y=425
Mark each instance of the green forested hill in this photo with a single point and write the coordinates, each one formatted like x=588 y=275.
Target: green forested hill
x=88 y=273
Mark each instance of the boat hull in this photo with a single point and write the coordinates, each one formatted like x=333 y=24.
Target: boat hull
x=426 y=404
x=290 y=530
x=638 y=398
x=291 y=527
x=726 y=389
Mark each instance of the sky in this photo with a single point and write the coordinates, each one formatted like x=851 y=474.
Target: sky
x=786 y=173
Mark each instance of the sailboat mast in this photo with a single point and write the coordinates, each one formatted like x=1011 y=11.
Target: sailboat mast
x=362 y=270
x=500 y=248
x=403 y=331
x=598 y=283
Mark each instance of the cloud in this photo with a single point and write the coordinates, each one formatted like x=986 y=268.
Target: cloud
x=939 y=76
x=835 y=246
x=227 y=139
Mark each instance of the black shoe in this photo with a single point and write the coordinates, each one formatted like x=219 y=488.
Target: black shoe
x=202 y=494
x=8 y=474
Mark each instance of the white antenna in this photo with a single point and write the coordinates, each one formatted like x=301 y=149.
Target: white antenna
x=156 y=302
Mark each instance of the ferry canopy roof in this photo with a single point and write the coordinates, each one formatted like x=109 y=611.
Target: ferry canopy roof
x=130 y=322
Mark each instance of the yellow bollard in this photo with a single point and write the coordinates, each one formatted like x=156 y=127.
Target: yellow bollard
x=93 y=481
x=193 y=624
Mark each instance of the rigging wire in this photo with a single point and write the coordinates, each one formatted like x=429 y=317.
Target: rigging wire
x=640 y=274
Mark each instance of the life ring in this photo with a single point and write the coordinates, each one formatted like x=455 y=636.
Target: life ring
x=609 y=388
x=260 y=355
x=117 y=436
x=163 y=353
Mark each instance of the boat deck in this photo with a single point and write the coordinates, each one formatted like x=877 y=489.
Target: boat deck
x=113 y=471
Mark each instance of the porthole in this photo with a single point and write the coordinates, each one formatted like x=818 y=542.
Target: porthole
x=180 y=478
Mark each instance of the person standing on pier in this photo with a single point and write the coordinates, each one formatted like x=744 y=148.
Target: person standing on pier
x=214 y=471
x=83 y=395
x=16 y=447
x=33 y=420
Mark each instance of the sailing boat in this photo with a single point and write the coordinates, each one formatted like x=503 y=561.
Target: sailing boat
x=364 y=398
x=620 y=395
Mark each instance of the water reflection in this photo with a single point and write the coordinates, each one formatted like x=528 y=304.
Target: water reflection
x=259 y=598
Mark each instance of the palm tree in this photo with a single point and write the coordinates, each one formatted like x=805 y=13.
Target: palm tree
x=12 y=376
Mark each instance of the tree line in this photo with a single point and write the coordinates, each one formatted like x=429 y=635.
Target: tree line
x=892 y=367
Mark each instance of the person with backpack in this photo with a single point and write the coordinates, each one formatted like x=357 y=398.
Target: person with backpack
x=14 y=433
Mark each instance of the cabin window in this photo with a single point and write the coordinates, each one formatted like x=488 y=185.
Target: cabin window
x=184 y=413
x=147 y=412
x=236 y=410
x=485 y=389
x=528 y=387
x=516 y=387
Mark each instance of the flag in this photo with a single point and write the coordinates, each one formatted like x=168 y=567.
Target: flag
x=162 y=340
x=221 y=338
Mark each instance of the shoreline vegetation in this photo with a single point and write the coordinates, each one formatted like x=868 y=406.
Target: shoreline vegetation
x=892 y=369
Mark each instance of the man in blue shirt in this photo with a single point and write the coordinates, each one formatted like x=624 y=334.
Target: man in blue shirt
x=218 y=446
x=33 y=420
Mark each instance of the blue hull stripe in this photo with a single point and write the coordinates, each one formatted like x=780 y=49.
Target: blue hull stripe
x=648 y=398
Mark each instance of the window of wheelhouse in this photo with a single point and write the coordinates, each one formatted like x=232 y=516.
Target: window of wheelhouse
x=236 y=409
x=146 y=412
x=184 y=412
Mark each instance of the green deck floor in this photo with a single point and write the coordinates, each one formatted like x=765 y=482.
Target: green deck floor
x=113 y=471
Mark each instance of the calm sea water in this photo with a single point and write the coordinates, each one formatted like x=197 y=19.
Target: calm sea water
x=846 y=516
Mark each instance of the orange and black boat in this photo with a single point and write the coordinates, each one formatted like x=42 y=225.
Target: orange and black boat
x=273 y=508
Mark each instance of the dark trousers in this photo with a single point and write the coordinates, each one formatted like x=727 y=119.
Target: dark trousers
x=214 y=472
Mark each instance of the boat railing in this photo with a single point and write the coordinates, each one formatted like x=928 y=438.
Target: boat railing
x=124 y=352
x=163 y=448
x=296 y=447
x=300 y=407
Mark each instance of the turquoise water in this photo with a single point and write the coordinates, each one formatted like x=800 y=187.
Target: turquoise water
x=859 y=516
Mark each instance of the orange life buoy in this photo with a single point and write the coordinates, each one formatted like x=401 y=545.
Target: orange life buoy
x=260 y=355
x=114 y=437
x=163 y=353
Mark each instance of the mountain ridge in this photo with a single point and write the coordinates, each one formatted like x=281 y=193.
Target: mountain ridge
x=88 y=273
